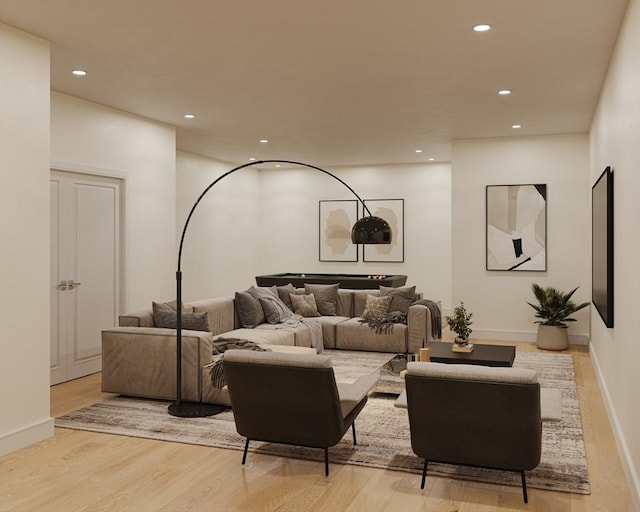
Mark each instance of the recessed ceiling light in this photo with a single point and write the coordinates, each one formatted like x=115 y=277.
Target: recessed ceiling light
x=278 y=165
x=252 y=159
x=516 y=126
x=504 y=92
x=190 y=116
x=431 y=159
x=418 y=151
x=264 y=141
x=79 y=72
x=482 y=27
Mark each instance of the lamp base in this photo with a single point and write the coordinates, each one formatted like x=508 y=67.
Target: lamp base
x=194 y=409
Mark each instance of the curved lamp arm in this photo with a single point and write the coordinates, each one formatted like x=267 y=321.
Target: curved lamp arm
x=259 y=162
x=368 y=230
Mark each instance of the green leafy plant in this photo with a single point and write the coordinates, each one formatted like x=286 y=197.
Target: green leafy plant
x=554 y=307
x=460 y=322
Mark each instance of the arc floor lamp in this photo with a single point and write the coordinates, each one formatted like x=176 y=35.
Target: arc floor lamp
x=367 y=230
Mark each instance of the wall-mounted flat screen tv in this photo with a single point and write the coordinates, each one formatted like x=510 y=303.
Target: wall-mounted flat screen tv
x=602 y=246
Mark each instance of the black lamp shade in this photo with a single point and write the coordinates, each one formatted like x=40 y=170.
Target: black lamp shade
x=371 y=230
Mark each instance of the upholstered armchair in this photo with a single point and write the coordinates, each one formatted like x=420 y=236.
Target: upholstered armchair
x=475 y=416
x=292 y=399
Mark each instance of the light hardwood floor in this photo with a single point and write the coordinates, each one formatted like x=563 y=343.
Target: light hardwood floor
x=83 y=471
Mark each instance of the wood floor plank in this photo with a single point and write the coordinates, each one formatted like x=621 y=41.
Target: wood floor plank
x=79 y=471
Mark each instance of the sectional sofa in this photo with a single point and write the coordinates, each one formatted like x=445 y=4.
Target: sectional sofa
x=138 y=357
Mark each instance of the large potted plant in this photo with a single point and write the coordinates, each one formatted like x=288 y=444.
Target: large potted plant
x=460 y=323
x=554 y=309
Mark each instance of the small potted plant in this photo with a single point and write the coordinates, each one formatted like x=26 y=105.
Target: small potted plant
x=460 y=323
x=554 y=309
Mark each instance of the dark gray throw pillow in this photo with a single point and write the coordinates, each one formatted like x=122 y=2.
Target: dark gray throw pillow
x=283 y=293
x=402 y=298
x=250 y=313
x=190 y=321
x=326 y=296
x=275 y=310
x=168 y=306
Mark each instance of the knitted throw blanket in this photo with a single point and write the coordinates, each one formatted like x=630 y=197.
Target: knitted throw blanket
x=384 y=324
x=220 y=346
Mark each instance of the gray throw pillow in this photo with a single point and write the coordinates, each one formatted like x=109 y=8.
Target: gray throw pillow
x=168 y=306
x=402 y=298
x=326 y=296
x=304 y=305
x=275 y=310
x=283 y=293
x=190 y=321
x=250 y=313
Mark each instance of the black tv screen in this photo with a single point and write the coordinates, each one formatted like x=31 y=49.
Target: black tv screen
x=602 y=246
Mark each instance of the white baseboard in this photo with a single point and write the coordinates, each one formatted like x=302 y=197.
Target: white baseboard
x=481 y=334
x=623 y=448
x=25 y=436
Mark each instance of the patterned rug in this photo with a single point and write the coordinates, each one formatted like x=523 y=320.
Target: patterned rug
x=382 y=429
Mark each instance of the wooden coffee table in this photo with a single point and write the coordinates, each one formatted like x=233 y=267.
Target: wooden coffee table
x=486 y=355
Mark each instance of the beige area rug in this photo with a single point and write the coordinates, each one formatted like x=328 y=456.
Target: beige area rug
x=382 y=429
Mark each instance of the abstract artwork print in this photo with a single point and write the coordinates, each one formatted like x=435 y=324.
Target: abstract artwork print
x=516 y=227
x=336 y=220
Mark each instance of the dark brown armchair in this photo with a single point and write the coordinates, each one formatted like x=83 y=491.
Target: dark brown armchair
x=292 y=399
x=475 y=416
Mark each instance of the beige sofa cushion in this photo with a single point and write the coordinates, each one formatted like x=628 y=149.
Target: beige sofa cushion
x=264 y=335
x=329 y=329
x=353 y=335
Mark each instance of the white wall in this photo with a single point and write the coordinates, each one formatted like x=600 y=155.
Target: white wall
x=615 y=141
x=88 y=137
x=24 y=240
x=497 y=299
x=262 y=222
x=289 y=210
x=221 y=243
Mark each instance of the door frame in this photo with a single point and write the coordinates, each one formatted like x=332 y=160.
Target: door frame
x=88 y=173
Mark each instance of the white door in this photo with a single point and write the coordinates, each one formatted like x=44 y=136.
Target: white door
x=85 y=270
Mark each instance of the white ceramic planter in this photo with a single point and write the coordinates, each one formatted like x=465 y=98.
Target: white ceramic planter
x=551 y=337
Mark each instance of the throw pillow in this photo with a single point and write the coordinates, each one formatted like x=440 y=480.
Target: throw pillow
x=190 y=321
x=250 y=313
x=283 y=293
x=376 y=307
x=402 y=298
x=304 y=305
x=326 y=296
x=275 y=310
x=168 y=306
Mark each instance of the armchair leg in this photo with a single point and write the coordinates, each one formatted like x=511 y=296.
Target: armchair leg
x=353 y=429
x=326 y=462
x=524 y=487
x=246 y=447
x=424 y=473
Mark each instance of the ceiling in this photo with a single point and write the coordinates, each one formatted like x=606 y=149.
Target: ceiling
x=332 y=82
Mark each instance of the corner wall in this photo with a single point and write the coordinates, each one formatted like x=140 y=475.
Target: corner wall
x=87 y=137
x=498 y=298
x=615 y=141
x=24 y=240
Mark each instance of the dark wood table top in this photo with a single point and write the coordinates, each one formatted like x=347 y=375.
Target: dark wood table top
x=486 y=355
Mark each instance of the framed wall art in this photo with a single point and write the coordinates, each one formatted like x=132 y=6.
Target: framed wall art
x=391 y=210
x=516 y=227
x=602 y=246
x=336 y=220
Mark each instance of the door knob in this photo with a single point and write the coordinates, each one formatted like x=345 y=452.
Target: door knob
x=62 y=285
x=71 y=284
